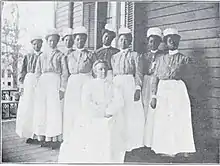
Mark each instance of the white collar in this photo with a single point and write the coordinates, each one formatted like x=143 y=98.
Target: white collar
x=80 y=49
x=173 y=52
x=124 y=50
x=104 y=46
x=37 y=53
x=153 y=51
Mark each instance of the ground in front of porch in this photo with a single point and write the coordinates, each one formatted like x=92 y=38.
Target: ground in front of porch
x=16 y=150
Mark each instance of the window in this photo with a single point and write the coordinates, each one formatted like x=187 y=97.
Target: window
x=122 y=14
x=9 y=73
x=111 y=17
x=3 y=73
x=9 y=83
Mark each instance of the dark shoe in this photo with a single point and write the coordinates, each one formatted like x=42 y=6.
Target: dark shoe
x=46 y=144
x=55 y=145
x=29 y=141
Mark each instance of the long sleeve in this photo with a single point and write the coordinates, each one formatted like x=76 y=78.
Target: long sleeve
x=138 y=71
x=155 y=83
x=116 y=103
x=93 y=57
x=112 y=63
x=64 y=73
x=23 y=70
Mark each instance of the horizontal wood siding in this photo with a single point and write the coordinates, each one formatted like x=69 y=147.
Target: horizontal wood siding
x=198 y=25
x=77 y=14
x=62 y=15
x=62 y=19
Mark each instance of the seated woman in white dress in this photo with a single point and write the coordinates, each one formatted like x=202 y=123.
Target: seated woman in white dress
x=97 y=136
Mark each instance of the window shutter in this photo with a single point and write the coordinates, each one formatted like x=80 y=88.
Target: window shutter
x=62 y=15
x=77 y=14
x=129 y=18
x=89 y=23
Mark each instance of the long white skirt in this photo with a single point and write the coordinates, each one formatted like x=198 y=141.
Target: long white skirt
x=89 y=142
x=148 y=111
x=133 y=112
x=72 y=100
x=24 y=120
x=48 y=108
x=172 y=126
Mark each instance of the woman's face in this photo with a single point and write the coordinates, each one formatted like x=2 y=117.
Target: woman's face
x=107 y=39
x=124 y=41
x=100 y=71
x=154 y=42
x=172 y=42
x=80 y=40
x=37 y=44
x=68 y=41
x=53 y=41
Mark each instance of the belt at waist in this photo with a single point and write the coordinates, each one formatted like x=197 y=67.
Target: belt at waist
x=115 y=74
x=56 y=72
x=84 y=73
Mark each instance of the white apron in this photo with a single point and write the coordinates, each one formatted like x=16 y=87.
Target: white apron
x=148 y=111
x=133 y=112
x=24 y=120
x=88 y=143
x=72 y=100
x=172 y=126
x=48 y=107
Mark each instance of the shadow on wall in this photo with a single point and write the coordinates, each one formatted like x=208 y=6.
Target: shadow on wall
x=196 y=79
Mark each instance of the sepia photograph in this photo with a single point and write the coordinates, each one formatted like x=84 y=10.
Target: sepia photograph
x=110 y=82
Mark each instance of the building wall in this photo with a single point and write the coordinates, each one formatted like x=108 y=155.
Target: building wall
x=198 y=25
x=77 y=14
x=61 y=19
x=61 y=15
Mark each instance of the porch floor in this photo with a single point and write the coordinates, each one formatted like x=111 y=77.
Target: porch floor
x=16 y=150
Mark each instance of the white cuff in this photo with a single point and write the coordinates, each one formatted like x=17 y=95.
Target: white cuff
x=138 y=87
x=154 y=96
x=62 y=89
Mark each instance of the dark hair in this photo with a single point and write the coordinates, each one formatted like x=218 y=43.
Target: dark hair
x=129 y=35
x=66 y=36
x=74 y=35
x=113 y=34
x=36 y=39
x=159 y=38
x=165 y=37
x=58 y=36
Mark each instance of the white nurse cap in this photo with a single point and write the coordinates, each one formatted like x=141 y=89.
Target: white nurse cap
x=154 y=31
x=80 y=30
x=124 y=30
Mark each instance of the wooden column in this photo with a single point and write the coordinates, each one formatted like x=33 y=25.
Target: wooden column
x=100 y=21
x=70 y=16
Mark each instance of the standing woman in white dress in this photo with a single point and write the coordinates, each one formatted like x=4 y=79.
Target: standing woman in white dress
x=172 y=133
x=154 y=38
x=48 y=108
x=97 y=134
x=28 y=80
x=79 y=65
x=127 y=74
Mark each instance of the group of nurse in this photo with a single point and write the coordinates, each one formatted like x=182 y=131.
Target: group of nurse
x=98 y=105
